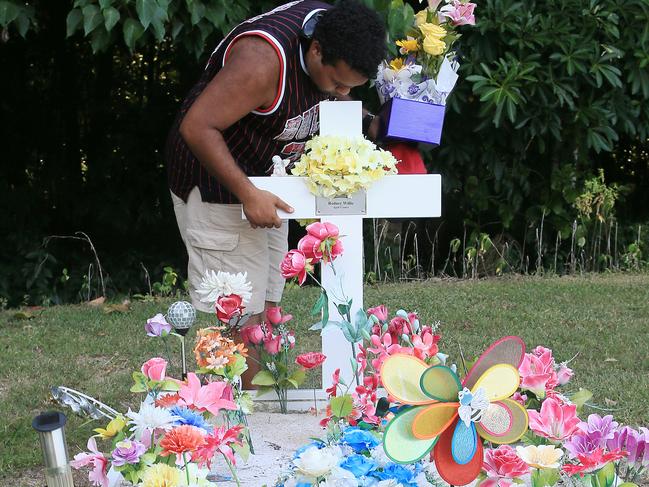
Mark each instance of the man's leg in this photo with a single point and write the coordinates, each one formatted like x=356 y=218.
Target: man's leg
x=277 y=239
x=218 y=239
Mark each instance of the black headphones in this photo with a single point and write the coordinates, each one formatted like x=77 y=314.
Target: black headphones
x=307 y=30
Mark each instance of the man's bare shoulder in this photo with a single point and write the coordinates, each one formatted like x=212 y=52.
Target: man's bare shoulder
x=257 y=57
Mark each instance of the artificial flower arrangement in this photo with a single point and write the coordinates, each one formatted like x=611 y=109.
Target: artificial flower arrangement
x=272 y=339
x=171 y=439
x=441 y=427
x=182 y=425
x=274 y=343
x=504 y=421
x=337 y=166
x=424 y=72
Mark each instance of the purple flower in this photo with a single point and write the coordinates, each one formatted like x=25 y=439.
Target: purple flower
x=604 y=428
x=581 y=444
x=413 y=89
x=127 y=451
x=157 y=326
x=636 y=443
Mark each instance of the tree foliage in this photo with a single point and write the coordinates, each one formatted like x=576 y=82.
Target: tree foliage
x=550 y=92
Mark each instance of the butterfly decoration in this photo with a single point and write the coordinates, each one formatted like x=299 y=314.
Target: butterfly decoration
x=454 y=416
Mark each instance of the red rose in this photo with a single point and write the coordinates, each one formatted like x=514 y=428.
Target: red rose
x=227 y=307
x=272 y=344
x=252 y=334
x=275 y=317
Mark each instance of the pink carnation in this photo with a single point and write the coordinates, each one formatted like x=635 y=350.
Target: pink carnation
x=503 y=465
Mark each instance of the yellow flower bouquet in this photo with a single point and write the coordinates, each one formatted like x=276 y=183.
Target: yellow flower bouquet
x=340 y=166
x=424 y=72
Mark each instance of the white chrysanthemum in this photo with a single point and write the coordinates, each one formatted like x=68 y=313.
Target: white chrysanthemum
x=217 y=284
x=149 y=418
x=314 y=462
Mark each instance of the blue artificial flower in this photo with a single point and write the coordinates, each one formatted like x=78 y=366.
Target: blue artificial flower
x=359 y=440
x=359 y=465
x=397 y=472
x=192 y=418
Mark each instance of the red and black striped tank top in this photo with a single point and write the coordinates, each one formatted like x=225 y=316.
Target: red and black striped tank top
x=281 y=129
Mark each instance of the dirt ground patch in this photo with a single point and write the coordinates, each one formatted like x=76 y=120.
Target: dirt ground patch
x=275 y=437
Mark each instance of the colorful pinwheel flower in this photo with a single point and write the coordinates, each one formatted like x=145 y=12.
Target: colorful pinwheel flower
x=454 y=416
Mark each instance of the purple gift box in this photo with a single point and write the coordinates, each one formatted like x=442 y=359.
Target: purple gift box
x=411 y=120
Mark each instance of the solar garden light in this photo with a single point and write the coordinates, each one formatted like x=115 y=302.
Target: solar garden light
x=181 y=315
x=50 y=427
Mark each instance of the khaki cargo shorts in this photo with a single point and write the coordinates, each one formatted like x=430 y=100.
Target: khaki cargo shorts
x=218 y=239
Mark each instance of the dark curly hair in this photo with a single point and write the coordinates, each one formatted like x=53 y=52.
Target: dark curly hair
x=353 y=33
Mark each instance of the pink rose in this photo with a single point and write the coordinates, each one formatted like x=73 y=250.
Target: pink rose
x=322 y=230
x=311 y=247
x=335 y=252
x=540 y=351
x=227 y=307
x=381 y=312
x=294 y=264
x=503 y=463
x=252 y=334
x=556 y=420
x=275 y=317
x=459 y=13
x=272 y=344
x=537 y=372
x=155 y=368
x=564 y=374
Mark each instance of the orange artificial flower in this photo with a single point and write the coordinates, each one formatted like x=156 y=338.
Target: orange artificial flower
x=182 y=439
x=167 y=401
x=213 y=350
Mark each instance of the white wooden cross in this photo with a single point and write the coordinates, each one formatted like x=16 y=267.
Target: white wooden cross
x=404 y=196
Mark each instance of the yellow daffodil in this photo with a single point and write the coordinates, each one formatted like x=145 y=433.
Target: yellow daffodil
x=115 y=426
x=407 y=45
x=542 y=456
x=397 y=64
x=434 y=45
x=421 y=17
x=432 y=30
x=161 y=475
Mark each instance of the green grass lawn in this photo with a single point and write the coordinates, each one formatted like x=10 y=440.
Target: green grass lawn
x=604 y=319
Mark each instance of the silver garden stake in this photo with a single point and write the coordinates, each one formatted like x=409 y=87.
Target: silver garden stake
x=182 y=315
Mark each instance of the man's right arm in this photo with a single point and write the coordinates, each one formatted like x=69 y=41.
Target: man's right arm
x=248 y=80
